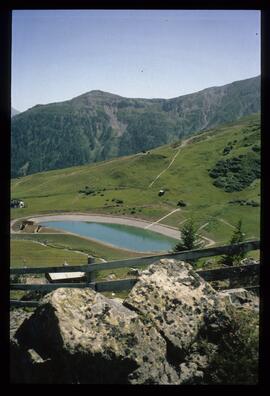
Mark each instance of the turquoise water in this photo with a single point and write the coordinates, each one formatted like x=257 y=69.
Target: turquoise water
x=122 y=236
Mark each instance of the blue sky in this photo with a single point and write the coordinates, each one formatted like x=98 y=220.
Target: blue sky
x=57 y=54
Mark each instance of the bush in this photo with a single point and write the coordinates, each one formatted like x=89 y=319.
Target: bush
x=233 y=258
x=220 y=183
x=243 y=202
x=181 y=203
x=227 y=149
x=253 y=203
x=256 y=148
x=87 y=191
x=189 y=239
x=236 y=361
x=236 y=173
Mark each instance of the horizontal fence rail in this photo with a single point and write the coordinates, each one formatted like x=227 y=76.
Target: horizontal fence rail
x=121 y=284
x=185 y=255
x=216 y=274
x=49 y=286
x=139 y=261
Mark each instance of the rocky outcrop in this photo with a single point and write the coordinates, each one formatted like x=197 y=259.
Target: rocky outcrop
x=17 y=317
x=249 y=260
x=92 y=339
x=155 y=336
x=182 y=307
x=241 y=298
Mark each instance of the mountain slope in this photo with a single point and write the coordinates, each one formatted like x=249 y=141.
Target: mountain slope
x=97 y=125
x=129 y=186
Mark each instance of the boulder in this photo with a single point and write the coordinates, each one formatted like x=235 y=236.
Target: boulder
x=192 y=370
x=241 y=298
x=167 y=331
x=16 y=318
x=249 y=260
x=111 y=277
x=24 y=363
x=92 y=339
x=180 y=304
x=134 y=272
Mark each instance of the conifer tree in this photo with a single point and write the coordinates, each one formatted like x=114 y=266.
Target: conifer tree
x=237 y=237
x=189 y=239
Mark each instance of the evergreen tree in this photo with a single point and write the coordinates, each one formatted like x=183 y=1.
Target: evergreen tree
x=189 y=239
x=237 y=237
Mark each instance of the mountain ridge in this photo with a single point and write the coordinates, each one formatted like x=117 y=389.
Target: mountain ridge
x=99 y=91
x=98 y=125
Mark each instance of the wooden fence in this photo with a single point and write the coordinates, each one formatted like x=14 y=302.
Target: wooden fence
x=249 y=270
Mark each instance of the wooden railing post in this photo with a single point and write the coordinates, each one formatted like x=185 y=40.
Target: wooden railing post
x=90 y=276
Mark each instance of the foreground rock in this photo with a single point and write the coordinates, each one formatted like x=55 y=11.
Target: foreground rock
x=166 y=331
x=84 y=337
x=17 y=317
x=179 y=303
x=241 y=298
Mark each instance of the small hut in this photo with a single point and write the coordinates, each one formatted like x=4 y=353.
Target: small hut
x=65 y=277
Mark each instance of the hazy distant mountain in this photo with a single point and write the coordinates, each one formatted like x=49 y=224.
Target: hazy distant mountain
x=99 y=125
x=14 y=111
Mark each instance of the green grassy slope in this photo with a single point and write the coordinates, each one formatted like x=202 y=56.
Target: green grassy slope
x=42 y=250
x=128 y=179
x=33 y=254
x=62 y=245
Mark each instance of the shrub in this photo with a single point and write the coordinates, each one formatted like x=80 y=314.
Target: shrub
x=181 y=203
x=236 y=173
x=256 y=148
x=237 y=360
x=87 y=191
x=253 y=203
x=189 y=239
x=235 y=257
x=219 y=183
x=227 y=149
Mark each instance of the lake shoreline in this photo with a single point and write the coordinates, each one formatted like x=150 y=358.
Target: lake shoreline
x=134 y=239
x=165 y=230
x=160 y=229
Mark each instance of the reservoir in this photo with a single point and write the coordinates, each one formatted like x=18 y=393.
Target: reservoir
x=118 y=235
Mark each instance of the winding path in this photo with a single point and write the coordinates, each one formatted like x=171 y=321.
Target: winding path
x=164 y=217
x=183 y=144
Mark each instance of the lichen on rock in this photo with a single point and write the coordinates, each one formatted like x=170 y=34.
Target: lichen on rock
x=177 y=301
x=103 y=340
x=167 y=331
